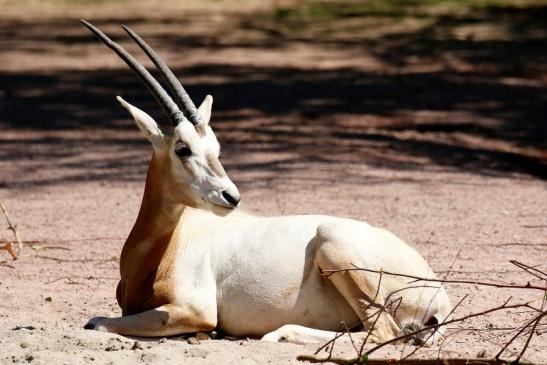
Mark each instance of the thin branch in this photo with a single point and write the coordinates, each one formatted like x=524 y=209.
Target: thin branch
x=338 y=335
x=534 y=271
x=379 y=313
x=350 y=338
x=519 y=332
x=13 y=228
x=540 y=244
x=331 y=349
x=70 y=281
x=447 y=272
x=435 y=330
x=435 y=326
x=525 y=347
x=327 y=273
x=388 y=304
x=413 y=361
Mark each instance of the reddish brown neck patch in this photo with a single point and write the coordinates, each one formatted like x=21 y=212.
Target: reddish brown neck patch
x=141 y=287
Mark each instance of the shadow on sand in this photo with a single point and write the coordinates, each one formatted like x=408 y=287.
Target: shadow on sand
x=497 y=107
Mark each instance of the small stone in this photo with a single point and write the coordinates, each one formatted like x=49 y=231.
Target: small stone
x=193 y=341
x=29 y=358
x=202 y=336
x=48 y=299
x=137 y=346
x=163 y=340
x=17 y=328
x=213 y=335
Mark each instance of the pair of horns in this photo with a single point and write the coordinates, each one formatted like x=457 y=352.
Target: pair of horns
x=170 y=108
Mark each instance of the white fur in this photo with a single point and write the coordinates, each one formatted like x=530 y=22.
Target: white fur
x=262 y=273
x=145 y=123
x=204 y=184
x=260 y=276
x=205 y=109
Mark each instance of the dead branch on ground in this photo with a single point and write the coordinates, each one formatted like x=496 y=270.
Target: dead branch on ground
x=391 y=361
x=527 y=329
x=327 y=273
x=14 y=251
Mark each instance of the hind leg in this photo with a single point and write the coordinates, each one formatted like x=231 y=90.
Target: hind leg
x=292 y=333
x=359 y=288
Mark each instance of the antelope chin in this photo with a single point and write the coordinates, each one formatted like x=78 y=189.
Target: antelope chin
x=219 y=209
x=221 y=204
x=215 y=204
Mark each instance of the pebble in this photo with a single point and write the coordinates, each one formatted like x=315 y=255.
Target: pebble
x=137 y=346
x=193 y=341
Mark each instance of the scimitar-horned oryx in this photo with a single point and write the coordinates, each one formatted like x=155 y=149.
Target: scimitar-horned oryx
x=193 y=262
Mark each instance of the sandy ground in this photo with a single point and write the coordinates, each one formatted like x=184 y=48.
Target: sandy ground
x=444 y=147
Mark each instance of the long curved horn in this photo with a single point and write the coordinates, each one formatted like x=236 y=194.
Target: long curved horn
x=164 y=100
x=184 y=100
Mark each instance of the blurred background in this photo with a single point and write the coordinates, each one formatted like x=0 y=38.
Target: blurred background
x=410 y=84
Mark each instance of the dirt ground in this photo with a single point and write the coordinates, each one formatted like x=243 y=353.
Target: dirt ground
x=428 y=121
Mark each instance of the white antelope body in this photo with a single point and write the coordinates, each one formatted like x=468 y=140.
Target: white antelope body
x=194 y=263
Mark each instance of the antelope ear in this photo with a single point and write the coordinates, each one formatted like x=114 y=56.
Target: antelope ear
x=205 y=109
x=146 y=124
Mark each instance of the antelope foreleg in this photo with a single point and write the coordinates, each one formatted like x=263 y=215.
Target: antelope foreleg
x=167 y=320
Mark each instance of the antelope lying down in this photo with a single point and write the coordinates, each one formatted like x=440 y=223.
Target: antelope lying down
x=193 y=262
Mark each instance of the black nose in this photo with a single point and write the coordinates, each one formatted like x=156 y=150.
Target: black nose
x=230 y=199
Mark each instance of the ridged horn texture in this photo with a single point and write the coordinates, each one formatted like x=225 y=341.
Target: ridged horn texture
x=167 y=104
x=181 y=96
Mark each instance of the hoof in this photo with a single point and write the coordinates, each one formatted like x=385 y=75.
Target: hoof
x=273 y=337
x=95 y=324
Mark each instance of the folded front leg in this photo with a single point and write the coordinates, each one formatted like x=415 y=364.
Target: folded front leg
x=167 y=320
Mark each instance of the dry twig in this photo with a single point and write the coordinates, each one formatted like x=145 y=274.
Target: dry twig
x=528 y=329
x=327 y=273
x=14 y=252
x=462 y=361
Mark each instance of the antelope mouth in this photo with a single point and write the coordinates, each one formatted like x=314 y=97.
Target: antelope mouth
x=223 y=199
x=227 y=206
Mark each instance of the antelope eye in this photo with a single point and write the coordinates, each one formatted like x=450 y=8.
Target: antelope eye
x=182 y=150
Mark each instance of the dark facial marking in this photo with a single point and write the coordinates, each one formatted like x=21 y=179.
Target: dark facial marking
x=182 y=150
